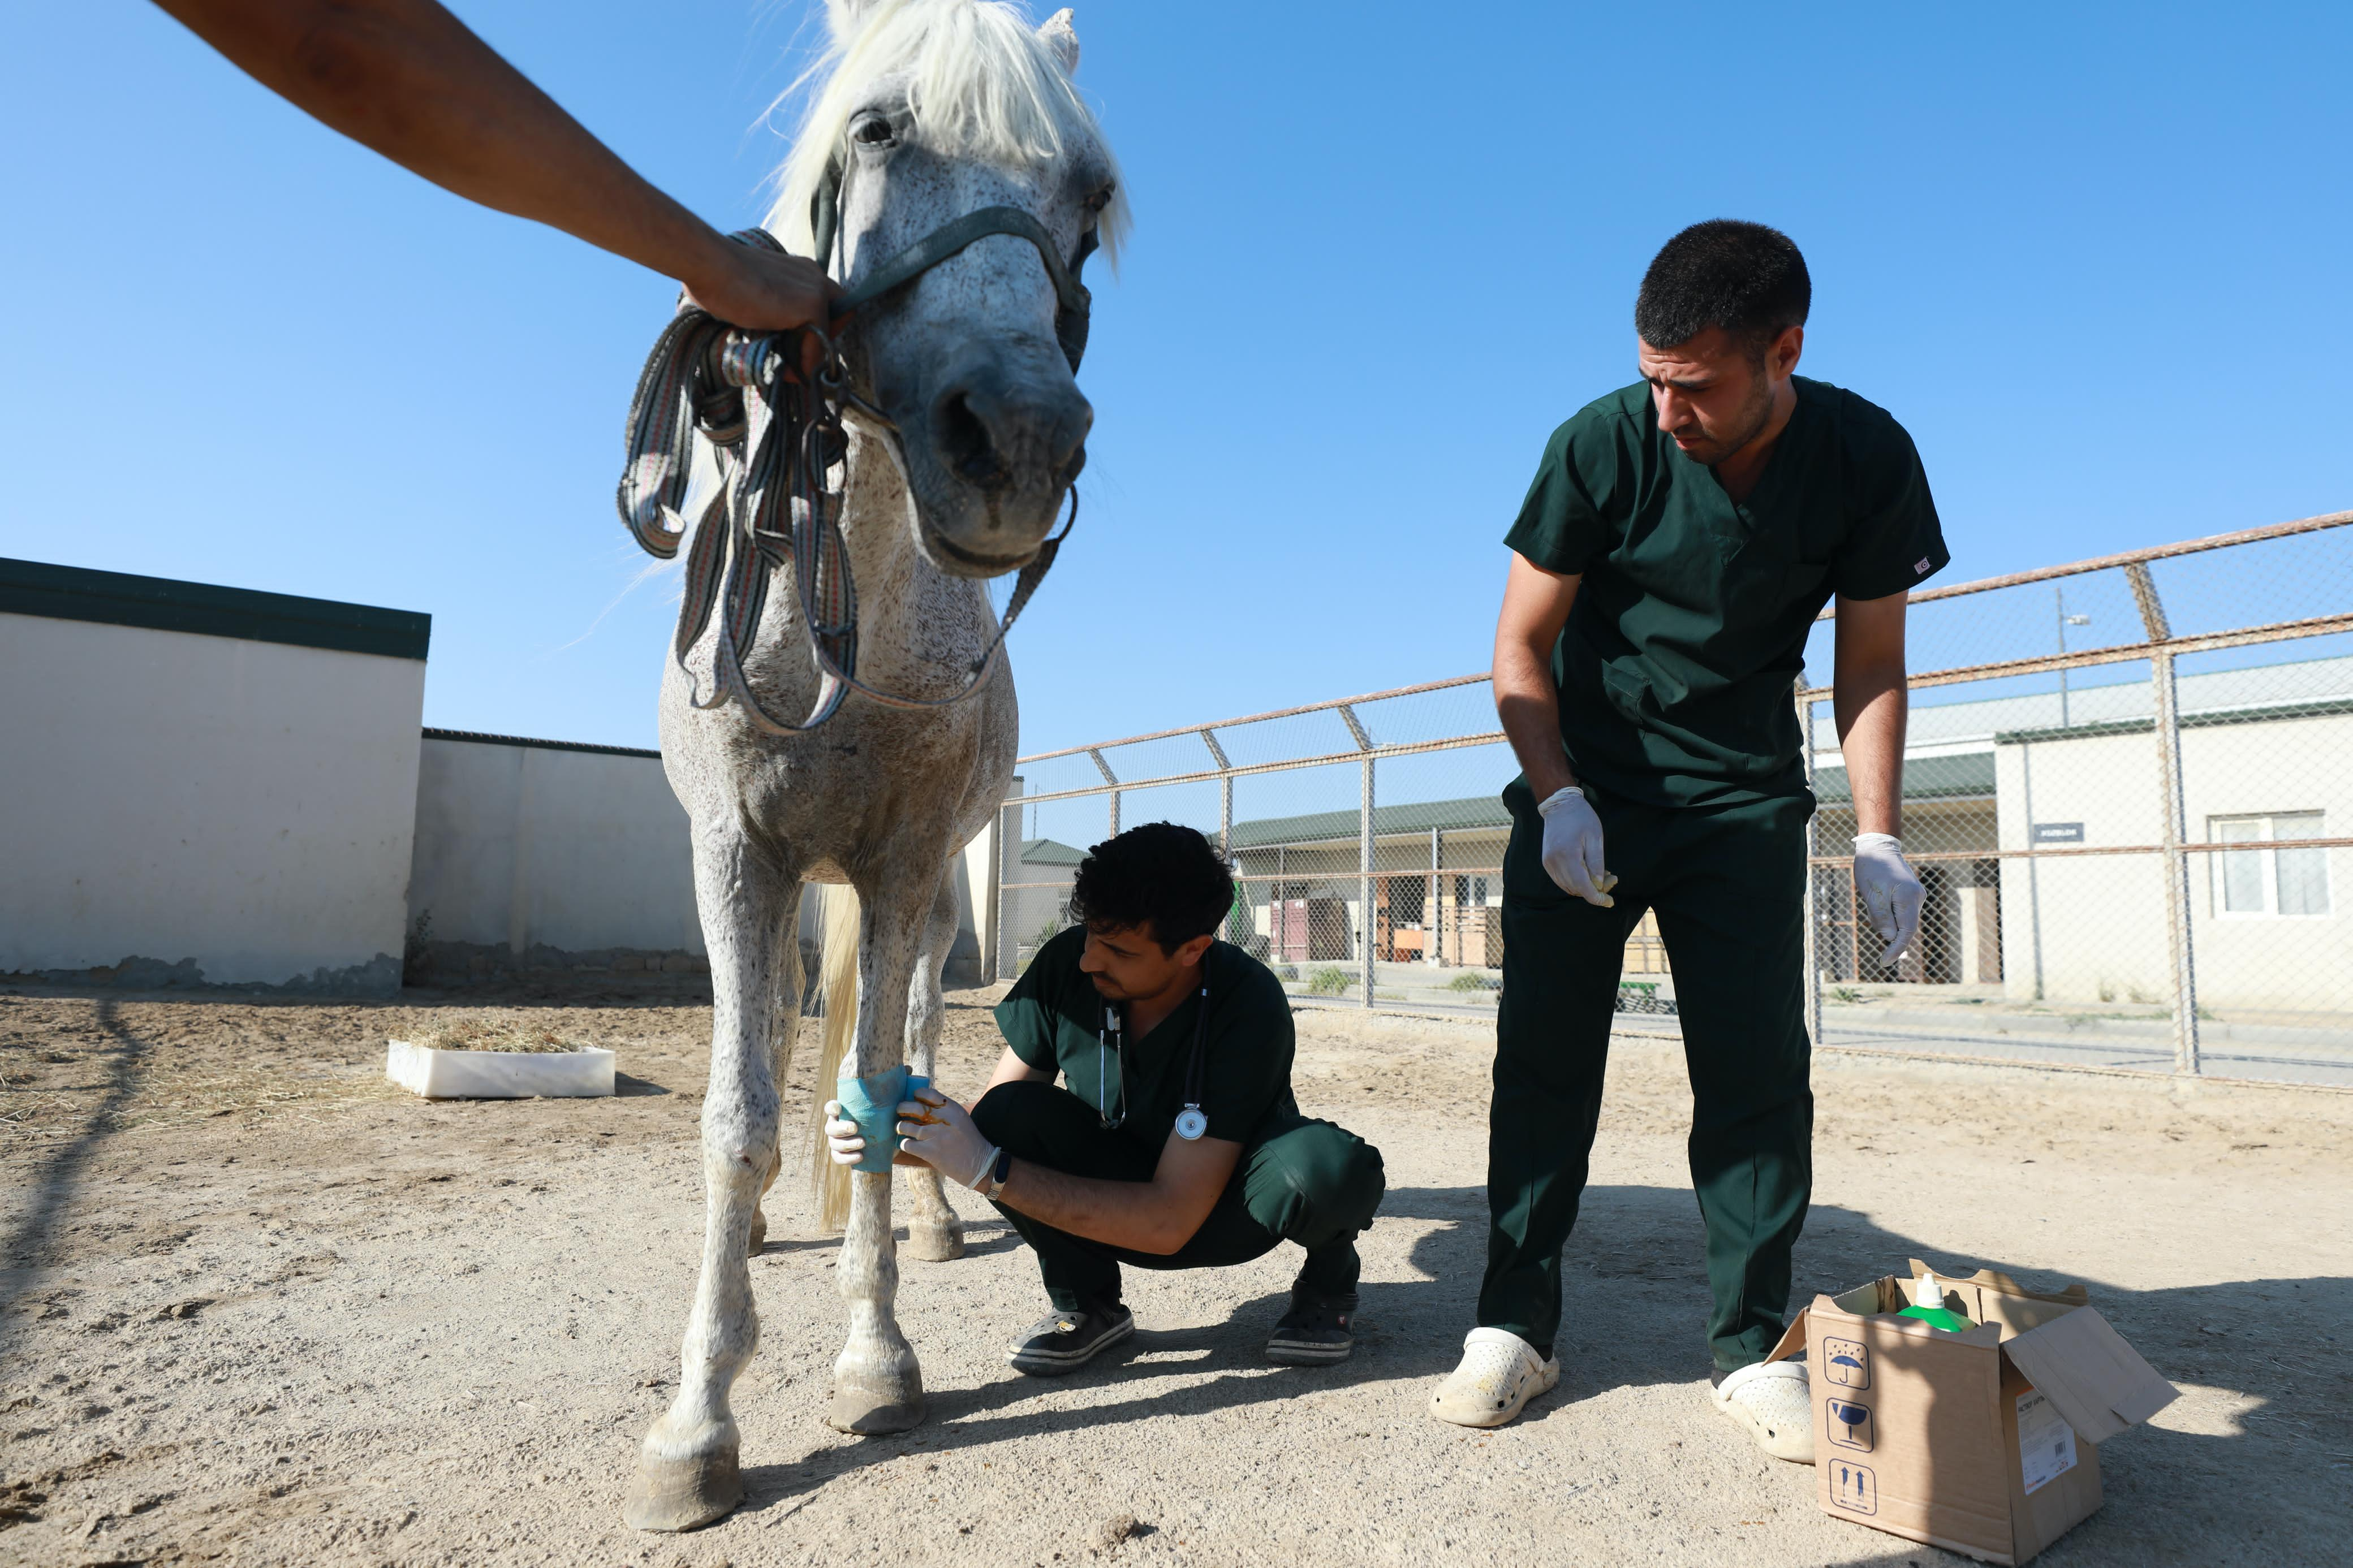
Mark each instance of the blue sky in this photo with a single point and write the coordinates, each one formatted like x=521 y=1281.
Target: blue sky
x=2092 y=257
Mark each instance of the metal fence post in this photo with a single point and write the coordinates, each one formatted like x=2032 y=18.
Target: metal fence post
x=1813 y=959
x=1434 y=919
x=2174 y=802
x=1364 y=850
x=1226 y=823
x=1364 y=875
x=2177 y=866
x=1112 y=779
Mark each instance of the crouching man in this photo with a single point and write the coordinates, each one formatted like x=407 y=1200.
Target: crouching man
x=1172 y=1140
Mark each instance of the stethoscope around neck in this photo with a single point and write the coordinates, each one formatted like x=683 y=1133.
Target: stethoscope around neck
x=1191 y=1121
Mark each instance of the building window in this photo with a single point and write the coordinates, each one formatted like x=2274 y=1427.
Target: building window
x=2263 y=881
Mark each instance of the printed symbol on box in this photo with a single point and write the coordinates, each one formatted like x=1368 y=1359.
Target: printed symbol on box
x=1846 y=1363
x=1848 y=1424
x=1854 y=1488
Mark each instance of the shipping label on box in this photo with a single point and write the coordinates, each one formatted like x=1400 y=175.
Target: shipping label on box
x=2046 y=1444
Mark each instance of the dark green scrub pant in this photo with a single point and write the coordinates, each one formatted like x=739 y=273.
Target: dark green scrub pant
x=1303 y=1181
x=1728 y=884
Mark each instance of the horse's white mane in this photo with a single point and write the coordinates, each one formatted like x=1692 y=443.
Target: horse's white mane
x=982 y=82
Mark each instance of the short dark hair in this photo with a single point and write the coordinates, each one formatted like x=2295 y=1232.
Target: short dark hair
x=1159 y=874
x=1743 y=277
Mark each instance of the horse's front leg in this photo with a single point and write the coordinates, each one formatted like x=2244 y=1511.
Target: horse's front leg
x=877 y=1386
x=934 y=1231
x=784 y=1030
x=687 y=1472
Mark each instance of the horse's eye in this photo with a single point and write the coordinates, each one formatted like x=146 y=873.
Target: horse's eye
x=874 y=131
x=1099 y=200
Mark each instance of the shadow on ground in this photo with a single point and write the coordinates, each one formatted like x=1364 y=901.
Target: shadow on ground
x=57 y=1172
x=1636 y=1299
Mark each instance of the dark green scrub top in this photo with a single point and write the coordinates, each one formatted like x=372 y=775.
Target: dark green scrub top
x=1053 y=1019
x=1678 y=665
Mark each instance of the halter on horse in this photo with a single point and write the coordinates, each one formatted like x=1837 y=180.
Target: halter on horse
x=739 y=390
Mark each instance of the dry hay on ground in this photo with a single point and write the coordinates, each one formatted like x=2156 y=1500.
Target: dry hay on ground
x=264 y=1307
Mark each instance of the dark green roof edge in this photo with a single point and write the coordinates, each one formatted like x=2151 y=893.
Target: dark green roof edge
x=1968 y=775
x=1049 y=852
x=205 y=609
x=2313 y=708
x=475 y=737
x=1411 y=817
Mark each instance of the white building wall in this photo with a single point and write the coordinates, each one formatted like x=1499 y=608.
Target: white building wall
x=2094 y=928
x=2272 y=961
x=237 y=811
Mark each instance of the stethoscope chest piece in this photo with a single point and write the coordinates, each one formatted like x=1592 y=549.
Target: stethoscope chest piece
x=1191 y=1123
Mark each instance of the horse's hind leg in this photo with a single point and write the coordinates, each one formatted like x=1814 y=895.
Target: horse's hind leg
x=687 y=1472
x=934 y=1231
x=784 y=1030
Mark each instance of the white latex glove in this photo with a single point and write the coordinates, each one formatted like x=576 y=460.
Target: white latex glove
x=843 y=1141
x=1572 y=847
x=940 y=1133
x=1889 y=890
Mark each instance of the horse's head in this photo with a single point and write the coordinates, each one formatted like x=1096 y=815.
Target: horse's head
x=936 y=109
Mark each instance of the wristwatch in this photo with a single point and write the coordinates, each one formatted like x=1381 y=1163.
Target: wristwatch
x=999 y=1168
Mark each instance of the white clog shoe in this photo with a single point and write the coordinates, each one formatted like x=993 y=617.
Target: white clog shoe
x=1500 y=1374
x=1773 y=1404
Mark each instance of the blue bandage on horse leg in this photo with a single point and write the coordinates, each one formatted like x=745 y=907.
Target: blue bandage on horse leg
x=872 y=1102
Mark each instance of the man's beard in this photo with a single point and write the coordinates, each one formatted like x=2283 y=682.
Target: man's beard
x=1759 y=410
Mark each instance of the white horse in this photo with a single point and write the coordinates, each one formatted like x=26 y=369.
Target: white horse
x=932 y=109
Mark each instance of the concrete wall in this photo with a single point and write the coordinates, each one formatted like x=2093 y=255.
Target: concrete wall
x=539 y=855
x=536 y=856
x=185 y=808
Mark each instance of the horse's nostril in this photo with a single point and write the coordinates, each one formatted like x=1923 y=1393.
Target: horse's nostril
x=964 y=442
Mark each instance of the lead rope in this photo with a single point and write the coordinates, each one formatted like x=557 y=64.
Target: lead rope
x=779 y=442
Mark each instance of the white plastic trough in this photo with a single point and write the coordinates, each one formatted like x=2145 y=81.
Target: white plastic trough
x=498 y=1075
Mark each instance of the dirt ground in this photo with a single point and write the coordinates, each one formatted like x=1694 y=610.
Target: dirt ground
x=259 y=1307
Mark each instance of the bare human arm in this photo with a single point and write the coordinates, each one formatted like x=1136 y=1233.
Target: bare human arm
x=1157 y=1216
x=1536 y=607
x=408 y=80
x=1869 y=701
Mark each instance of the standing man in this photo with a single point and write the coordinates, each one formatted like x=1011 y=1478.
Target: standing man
x=1172 y=1140
x=1680 y=538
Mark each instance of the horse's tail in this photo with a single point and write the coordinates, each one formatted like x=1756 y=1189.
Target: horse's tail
x=837 y=978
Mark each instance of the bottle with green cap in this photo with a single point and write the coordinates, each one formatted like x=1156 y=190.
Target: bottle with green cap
x=1928 y=1307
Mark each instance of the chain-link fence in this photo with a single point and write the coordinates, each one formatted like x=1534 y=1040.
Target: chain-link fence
x=2127 y=787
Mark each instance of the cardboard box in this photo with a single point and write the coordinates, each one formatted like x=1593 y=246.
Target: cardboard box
x=1985 y=1443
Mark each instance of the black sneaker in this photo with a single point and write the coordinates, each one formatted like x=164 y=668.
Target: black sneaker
x=1065 y=1341
x=1315 y=1332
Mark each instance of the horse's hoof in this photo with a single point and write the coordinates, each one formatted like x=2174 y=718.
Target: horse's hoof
x=759 y=1234
x=684 y=1493
x=871 y=1406
x=936 y=1243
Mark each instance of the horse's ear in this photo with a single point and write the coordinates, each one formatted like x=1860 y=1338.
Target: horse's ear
x=1063 y=39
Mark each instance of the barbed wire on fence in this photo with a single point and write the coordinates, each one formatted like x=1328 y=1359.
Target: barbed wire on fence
x=2128 y=782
